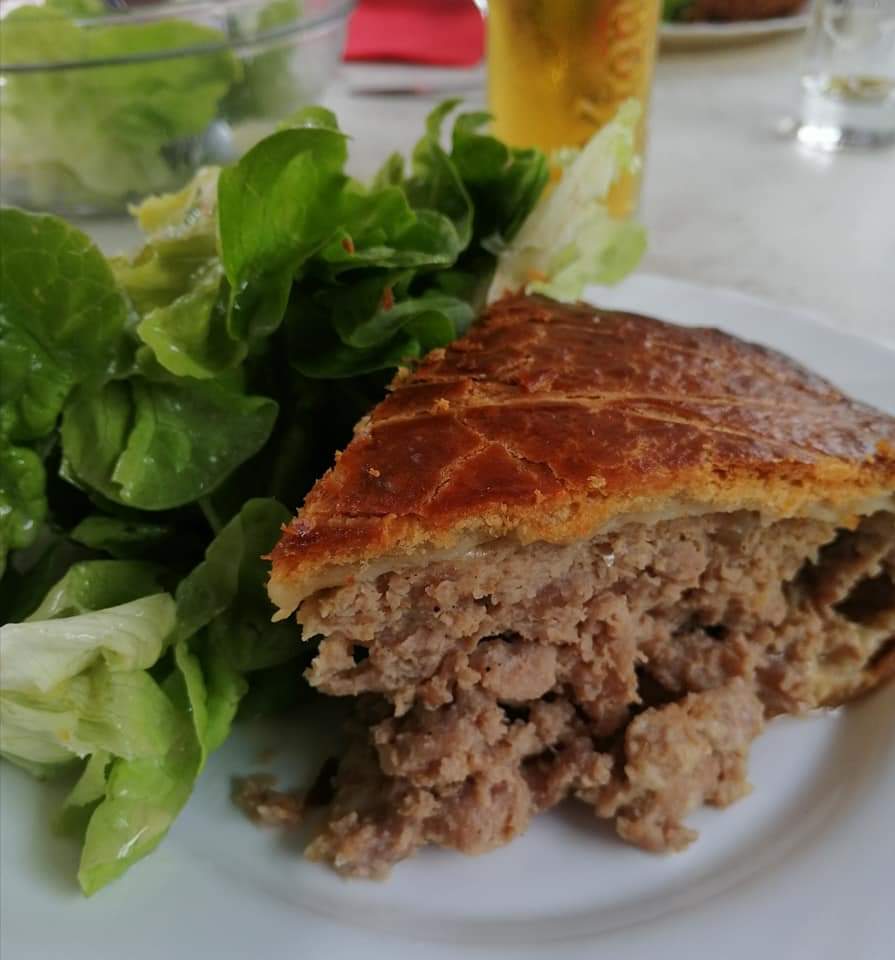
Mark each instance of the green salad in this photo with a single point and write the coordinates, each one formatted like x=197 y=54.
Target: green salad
x=121 y=109
x=163 y=414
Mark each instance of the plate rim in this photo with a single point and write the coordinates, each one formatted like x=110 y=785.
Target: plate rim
x=735 y=28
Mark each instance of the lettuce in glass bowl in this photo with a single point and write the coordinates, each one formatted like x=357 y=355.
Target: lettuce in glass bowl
x=103 y=102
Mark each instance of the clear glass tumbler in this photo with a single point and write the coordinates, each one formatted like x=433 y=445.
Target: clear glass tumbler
x=848 y=83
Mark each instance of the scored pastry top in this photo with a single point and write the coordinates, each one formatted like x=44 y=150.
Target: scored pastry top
x=550 y=420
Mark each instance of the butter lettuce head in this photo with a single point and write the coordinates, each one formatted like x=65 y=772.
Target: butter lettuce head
x=72 y=685
x=138 y=685
x=112 y=131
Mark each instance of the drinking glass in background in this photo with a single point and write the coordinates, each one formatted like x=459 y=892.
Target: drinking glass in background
x=848 y=84
x=559 y=69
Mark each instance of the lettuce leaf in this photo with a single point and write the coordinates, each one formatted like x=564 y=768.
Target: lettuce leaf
x=176 y=283
x=122 y=538
x=436 y=183
x=232 y=561
x=23 y=504
x=78 y=681
x=142 y=797
x=108 y=132
x=338 y=333
x=301 y=240
x=276 y=209
x=160 y=445
x=504 y=183
x=223 y=631
x=181 y=243
x=83 y=797
x=123 y=712
x=73 y=332
x=268 y=84
x=189 y=336
x=38 y=655
x=225 y=592
x=96 y=584
x=77 y=684
x=570 y=239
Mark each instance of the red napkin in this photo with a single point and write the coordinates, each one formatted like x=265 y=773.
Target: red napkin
x=436 y=32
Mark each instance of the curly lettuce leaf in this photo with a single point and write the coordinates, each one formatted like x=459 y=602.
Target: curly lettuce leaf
x=174 y=220
x=504 y=183
x=189 y=336
x=301 y=240
x=348 y=332
x=486 y=186
x=37 y=655
x=181 y=242
x=570 y=239
x=122 y=712
x=436 y=183
x=176 y=283
x=77 y=683
x=380 y=229
x=276 y=209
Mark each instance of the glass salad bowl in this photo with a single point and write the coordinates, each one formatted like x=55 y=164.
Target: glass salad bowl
x=103 y=102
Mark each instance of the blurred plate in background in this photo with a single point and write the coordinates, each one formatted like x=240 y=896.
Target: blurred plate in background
x=684 y=36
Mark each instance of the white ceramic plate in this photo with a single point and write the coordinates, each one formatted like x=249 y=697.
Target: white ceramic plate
x=680 y=36
x=799 y=870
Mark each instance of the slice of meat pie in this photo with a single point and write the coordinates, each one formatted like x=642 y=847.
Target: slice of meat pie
x=585 y=553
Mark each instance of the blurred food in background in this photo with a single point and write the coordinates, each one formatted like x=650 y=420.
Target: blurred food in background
x=559 y=69
x=728 y=10
x=103 y=102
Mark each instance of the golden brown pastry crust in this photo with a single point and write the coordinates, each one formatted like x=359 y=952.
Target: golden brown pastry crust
x=549 y=420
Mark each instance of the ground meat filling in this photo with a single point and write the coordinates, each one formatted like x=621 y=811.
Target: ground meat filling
x=631 y=671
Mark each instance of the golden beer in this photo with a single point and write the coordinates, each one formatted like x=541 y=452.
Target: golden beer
x=558 y=70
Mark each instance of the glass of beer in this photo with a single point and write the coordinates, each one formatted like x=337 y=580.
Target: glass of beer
x=559 y=69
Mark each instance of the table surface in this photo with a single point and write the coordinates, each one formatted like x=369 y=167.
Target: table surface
x=729 y=200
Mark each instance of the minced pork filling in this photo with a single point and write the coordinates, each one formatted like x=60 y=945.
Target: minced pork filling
x=631 y=671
